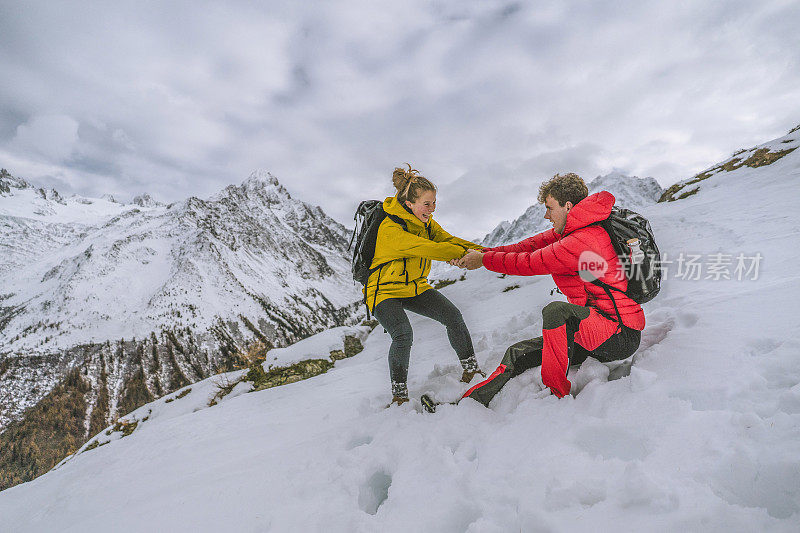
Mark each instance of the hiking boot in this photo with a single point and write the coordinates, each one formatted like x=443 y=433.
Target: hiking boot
x=397 y=400
x=399 y=393
x=467 y=376
x=470 y=365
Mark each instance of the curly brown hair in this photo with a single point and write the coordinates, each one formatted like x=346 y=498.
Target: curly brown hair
x=410 y=184
x=564 y=188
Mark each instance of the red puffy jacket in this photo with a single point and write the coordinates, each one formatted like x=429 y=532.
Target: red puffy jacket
x=558 y=255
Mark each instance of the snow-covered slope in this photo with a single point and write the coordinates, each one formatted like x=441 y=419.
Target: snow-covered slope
x=631 y=192
x=18 y=198
x=701 y=436
x=758 y=156
x=35 y=221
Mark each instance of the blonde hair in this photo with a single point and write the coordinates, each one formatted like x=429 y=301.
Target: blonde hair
x=410 y=184
x=564 y=188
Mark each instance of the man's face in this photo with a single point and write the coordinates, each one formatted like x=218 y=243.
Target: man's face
x=556 y=213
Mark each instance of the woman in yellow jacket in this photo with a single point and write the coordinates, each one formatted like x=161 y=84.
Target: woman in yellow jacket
x=399 y=283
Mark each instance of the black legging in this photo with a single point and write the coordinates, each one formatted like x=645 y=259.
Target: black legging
x=391 y=313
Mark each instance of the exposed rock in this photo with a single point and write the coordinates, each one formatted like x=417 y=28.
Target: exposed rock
x=145 y=200
x=281 y=376
x=8 y=182
x=51 y=194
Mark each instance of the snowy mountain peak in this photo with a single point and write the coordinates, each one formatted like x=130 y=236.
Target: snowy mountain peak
x=264 y=181
x=262 y=177
x=619 y=180
x=631 y=192
x=205 y=279
x=252 y=236
x=8 y=182
x=145 y=200
x=51 y=194
x=260 y=185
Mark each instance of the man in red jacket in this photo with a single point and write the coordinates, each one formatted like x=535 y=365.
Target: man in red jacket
x=587 y=325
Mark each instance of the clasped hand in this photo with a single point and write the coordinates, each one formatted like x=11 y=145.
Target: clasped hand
x=472 y=259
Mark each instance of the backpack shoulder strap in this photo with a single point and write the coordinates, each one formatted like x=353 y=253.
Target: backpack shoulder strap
x=396 y=219
x=403 y=224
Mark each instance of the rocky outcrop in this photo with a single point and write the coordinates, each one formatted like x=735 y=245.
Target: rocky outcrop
x=145 y=200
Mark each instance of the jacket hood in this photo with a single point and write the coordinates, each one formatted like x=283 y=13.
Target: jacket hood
x=593 y=208
x=393 y=206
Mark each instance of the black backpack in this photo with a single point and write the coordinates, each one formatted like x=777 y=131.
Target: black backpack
x=368 y=217
x=644 y=278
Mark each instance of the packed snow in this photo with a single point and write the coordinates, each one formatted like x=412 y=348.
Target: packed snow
x=703 y=433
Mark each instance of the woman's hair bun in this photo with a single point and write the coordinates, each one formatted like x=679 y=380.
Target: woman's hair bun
x=410 y=184
x=401 y=177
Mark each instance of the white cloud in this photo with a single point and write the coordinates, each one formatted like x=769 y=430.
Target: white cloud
x=53 y=137
x=481 y=198
x=331 y=96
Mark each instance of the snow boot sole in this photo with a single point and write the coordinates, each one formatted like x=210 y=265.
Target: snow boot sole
x=428 y=403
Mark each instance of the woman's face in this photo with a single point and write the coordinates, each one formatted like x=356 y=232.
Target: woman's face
x=424 y=206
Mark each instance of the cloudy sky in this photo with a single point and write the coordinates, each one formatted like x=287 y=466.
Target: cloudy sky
x=485 y=98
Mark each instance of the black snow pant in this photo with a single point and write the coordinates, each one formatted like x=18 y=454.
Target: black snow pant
x=391 y=313
x=561 y=322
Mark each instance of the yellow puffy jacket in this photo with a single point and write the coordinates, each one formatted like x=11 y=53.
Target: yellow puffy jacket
x=403 y=256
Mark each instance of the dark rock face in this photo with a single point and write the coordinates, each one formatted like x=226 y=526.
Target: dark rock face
x=8 y=182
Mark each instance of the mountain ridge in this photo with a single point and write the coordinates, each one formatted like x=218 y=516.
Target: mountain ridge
x=631 y=192
x=142 y=299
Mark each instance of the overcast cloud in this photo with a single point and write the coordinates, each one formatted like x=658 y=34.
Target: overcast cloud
x=485 y=98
